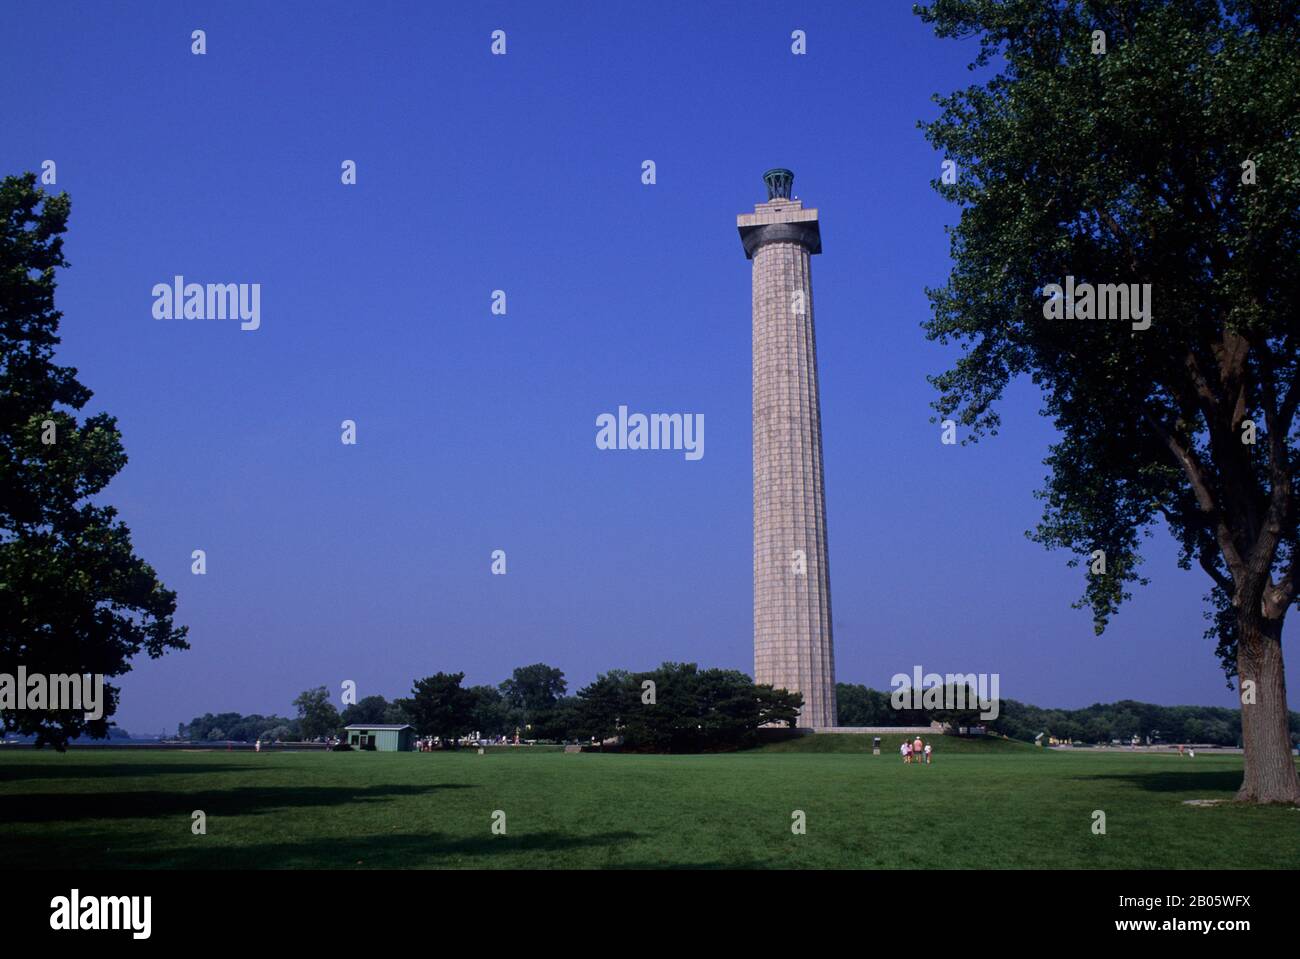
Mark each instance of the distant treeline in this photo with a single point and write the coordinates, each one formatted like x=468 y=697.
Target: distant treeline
x=682 y=708
x=114 y=732
x=1099 y=723
x=220 y=727
x=675 y=708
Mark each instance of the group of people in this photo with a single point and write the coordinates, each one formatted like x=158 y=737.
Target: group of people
x=913 y=751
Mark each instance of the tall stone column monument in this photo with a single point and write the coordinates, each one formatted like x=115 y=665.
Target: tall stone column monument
x=792 y=596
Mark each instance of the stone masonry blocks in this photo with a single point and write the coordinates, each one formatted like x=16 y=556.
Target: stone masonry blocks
x=793 y=647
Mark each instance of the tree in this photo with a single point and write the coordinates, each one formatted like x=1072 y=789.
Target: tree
x=441 y=708
x=726 y=708
x=666 y=723
x=316 y=714
x=279 y=733
x=1171 y=160
x=693 y=710
x=605 y=701
x=237 y=727
x=562 y=721
x=369 y=709
x=399 y=713
x=964 y=712
x=856 y=705
x=74 y=597
x=488 y=711
x=777 y=706
x=860 y=706
x=532 y=690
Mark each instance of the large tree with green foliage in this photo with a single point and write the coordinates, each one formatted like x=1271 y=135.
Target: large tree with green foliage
x=74 y=597
x=605 y=701
x=532 y=691
x=1171 y=159
x=682 y=708
x=368 y=709
x=488 y=713
x=440 y=707
x=317 y=716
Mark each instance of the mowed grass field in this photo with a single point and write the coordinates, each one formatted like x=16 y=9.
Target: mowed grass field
x=1003 y=806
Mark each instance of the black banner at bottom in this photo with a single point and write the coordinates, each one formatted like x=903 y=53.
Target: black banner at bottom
x=184 y=908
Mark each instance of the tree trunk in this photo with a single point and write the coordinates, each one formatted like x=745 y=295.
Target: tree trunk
x=1270 y=772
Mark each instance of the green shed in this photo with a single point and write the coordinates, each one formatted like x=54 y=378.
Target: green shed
x=381 y=737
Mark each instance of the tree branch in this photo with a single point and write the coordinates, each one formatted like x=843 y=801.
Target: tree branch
x=1191 y=465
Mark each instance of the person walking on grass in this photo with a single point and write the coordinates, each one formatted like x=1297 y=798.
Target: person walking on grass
x=927 y=754
x=905 y=751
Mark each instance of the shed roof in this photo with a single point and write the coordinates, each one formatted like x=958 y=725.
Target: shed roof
x=378 y=726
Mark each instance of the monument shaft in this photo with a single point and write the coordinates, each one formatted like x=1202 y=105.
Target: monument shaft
x=793 y=648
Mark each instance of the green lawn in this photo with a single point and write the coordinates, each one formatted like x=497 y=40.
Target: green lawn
x=1002 y=805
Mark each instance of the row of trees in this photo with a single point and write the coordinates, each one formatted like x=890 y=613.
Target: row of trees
x=682 y=708
x=439 y=705
x=1126 y=719
x=1098 y=723
x=692 y=710
x=675 y=708
x=219 y=727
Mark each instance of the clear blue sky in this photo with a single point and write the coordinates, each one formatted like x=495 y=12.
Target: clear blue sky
x=476 y=432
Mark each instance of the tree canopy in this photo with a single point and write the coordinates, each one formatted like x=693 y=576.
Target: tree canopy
x=682 y=708
x=1150 y=146
x=74 y=597
x=440 y=707
x=317 y=716
x=532 y=690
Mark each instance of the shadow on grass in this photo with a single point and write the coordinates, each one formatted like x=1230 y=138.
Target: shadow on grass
x=1176 y=782
x=435 y=851
x=242 y=801
x=749 y=864
x=13 y=772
